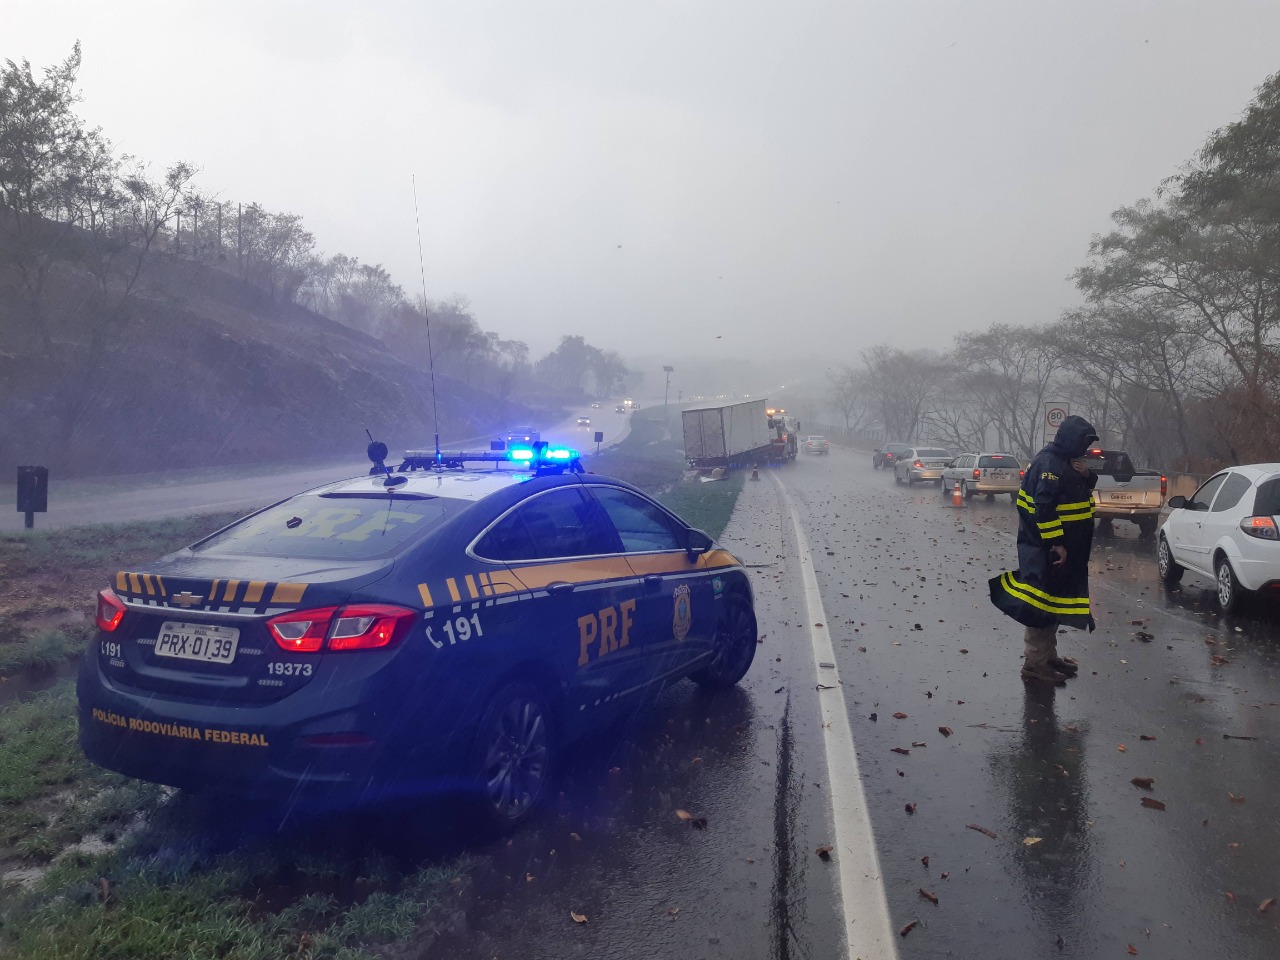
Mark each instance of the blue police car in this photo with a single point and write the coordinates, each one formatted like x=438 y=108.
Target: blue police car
x=448 y=625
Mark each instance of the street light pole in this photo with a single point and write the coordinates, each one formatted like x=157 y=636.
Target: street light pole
x=666 y=390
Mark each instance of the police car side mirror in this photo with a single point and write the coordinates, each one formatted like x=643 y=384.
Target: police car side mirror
x=1177 y=503
x=697 y=544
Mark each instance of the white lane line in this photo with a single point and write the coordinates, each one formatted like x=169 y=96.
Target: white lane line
x=868 y=929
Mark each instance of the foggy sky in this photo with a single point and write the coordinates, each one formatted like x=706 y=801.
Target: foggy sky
x=796 y=177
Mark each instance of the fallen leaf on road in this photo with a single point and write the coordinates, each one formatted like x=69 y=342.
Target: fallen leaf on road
x=673 y=911
x=925 y=861
x=874 y=717
x=899 y=715
x=982 y=830
x=932 y=898
x=1233 y=846
x=1153 y=803
x=1233 y=798
x=824 y=852
x=1231 y=897
x=578 y=917
x=1145 y=736
x=918 y=743
x=1266 y=904
x=1218 y=661
x=1143 y=782
x=1199 y=741
x=575 y=838
x=1031 y=841
x=946 y=731
x=963 y=650
x=684 y=814
x=1122 y=748
x=1132 y=950
x=862 y=649
x=902 y=750
x=909 y=927
x=910 y=808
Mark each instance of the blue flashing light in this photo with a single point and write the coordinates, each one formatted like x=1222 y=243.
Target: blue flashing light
x=542 y=454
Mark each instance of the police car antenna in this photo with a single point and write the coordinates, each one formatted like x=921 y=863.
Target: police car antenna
x=431 y=360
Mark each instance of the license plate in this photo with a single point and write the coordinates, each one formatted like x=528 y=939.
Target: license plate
x=1122 y=496
x=998 y=474
x=205 y=642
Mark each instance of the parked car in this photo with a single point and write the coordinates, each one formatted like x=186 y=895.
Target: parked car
x=1125 y=493
x=1227 y=532
x=920 y=463
x=988 y=473
x=436 y=629
x=883 y=457
x=815 y=443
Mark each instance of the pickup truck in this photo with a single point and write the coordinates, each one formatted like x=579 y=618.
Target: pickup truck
x=1124 y=492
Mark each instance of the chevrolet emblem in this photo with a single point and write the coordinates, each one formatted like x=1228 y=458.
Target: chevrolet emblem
x=186 y=599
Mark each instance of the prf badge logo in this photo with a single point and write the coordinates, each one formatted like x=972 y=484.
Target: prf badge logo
x=717 y=585
x=683 y=613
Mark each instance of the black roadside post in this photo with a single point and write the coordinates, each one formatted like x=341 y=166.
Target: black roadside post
x=599 y=440
x=33 y=492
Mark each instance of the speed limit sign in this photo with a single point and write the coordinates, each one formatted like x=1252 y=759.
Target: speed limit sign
x=1054 y=413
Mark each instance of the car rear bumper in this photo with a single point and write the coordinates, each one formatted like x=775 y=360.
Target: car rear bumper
x=925 y=473
x=307 y=748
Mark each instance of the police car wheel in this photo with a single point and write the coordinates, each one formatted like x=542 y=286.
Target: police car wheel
x=513 y=755
x=733 y=646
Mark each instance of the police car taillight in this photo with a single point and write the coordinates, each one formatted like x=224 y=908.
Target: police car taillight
x=358 y=627
x=977 y=474
x=1264 y=528
x=369 y=626
x=110 y=610
x=1164 y=486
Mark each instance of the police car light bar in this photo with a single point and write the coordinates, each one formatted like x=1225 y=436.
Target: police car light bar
x=541 y=455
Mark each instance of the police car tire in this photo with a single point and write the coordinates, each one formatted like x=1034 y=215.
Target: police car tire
x=733 y=646
x=513 y=756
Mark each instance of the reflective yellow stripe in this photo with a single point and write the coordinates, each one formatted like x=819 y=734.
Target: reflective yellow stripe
x=1054 y=524
x=1049 y=604
x=1051 y=534
x=1073 y=507
x=1070 y=517
x=1052 y=598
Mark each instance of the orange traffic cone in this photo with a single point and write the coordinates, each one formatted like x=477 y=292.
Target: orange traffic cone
x=956 y=499
x=755 y=473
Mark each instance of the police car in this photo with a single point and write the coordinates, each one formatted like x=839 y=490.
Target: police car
x=449 y=625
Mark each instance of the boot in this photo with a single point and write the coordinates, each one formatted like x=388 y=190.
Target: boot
x=1043 y=672
x=1065 y=665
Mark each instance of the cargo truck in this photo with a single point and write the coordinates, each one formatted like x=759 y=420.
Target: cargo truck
x=736 y=434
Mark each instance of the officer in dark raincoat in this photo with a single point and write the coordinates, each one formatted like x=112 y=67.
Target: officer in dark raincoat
x=1055 y=534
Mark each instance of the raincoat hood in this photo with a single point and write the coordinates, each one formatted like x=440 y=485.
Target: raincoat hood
x=1074 y=436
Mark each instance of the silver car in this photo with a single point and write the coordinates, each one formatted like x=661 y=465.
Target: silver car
x=988 y=473
x=920 y=463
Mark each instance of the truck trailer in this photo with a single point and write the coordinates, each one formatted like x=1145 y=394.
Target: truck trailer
x=736 y=434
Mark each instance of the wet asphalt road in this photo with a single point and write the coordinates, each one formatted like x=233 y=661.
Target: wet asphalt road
x=1077 y=866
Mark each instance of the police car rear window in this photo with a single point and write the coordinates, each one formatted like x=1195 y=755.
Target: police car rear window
x=329 y=528
x=932 y=453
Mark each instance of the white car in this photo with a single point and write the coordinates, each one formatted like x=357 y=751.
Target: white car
x=814 y=443
x=1226 y=532
x=919 y=464
x=988 y=473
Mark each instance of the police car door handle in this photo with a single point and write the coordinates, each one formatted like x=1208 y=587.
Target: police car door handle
x=560 y=586
x=653 y=581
